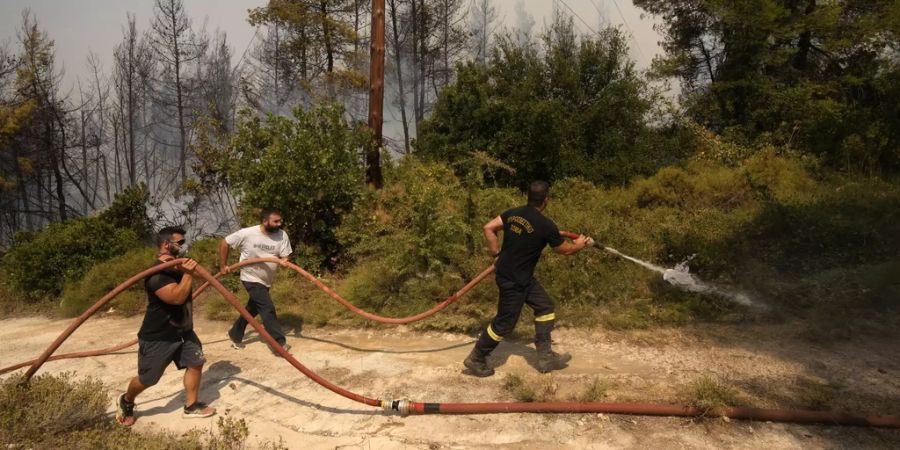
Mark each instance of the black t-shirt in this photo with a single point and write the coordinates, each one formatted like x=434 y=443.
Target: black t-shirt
x=163 y=321
x=525 y=233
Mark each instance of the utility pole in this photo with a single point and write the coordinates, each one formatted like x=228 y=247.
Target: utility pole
x=376 y=95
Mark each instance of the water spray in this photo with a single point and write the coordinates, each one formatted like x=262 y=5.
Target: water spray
x=680 y=276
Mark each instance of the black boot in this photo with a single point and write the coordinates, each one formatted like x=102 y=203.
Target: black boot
x=548 y=360
x=476 y=362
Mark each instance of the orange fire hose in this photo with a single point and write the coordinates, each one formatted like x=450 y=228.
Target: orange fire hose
x=405 y=407
x=334 y=295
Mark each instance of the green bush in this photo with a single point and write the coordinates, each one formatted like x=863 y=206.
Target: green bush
x=103 y=277
x=129 y=211
x=206 y=252
x=41 y=263
x=408 y=241
x=771 y=225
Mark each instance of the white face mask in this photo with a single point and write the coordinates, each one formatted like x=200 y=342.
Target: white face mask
x=182 y=249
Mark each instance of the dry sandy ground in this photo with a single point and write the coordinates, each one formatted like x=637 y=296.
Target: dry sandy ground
x=768 y=369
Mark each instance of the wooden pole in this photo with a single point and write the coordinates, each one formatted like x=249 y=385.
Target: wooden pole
x=376 y=95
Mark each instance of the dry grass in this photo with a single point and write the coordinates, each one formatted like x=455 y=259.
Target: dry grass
x=709 y=393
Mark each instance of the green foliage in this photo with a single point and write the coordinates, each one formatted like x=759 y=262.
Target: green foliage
x=561 y=107
x=774 y=225
x=206 y=252
x=420 y=211
x=308 y=166
x=129 y=211
x=40 y=263
x=817 y=76
x=78 y=296
x=408 y=241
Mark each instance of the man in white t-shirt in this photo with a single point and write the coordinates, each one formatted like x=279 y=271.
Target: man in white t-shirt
x=264 y=240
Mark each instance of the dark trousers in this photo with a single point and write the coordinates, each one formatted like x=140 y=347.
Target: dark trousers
x=259 y=303
x=509 y=307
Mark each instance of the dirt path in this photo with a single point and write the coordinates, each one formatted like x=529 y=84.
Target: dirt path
x=767 y=369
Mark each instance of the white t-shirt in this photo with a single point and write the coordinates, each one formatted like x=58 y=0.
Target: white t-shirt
x=254 y=243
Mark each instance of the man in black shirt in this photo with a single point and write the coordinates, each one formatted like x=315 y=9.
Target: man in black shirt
x=167 y=333
x=526 y=231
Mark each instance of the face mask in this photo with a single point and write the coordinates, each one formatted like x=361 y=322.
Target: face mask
x=176 y=250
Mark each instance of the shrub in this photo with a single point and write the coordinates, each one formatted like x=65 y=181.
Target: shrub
x=772 y=225
x=41 y=263
x=79 y=295
x=409 y=243
x=206 y=252
x=129 y=211
x=48 y=405
x=59 y=411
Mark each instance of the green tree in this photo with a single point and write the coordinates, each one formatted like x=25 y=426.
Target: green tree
x=816 y=75
x=562 y=106
x=309 y=166
x=129 y=212
x=318 y=43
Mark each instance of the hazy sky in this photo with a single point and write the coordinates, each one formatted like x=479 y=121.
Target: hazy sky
x=80 y=26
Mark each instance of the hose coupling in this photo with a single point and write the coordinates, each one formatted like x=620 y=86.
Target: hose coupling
x=404 y=407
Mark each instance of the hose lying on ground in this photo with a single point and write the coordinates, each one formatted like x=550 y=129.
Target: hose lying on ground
x=405 y=407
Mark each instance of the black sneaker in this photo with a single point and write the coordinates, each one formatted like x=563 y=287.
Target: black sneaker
x=235 y=344
x=198 y=410
x=477 y=365
x=285 y=346
x=125 y=412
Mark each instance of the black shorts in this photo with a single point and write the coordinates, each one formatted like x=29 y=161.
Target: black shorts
x=155 y=356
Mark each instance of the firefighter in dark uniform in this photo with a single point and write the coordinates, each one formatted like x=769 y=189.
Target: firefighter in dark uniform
x=526 y=231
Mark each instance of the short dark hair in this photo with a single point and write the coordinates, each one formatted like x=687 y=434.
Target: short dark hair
x=166 y=233
x=266 y=212
x=538 y=192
